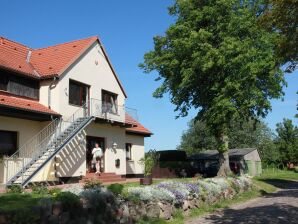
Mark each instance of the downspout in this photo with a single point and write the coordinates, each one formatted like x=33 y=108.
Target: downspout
x=51 y=86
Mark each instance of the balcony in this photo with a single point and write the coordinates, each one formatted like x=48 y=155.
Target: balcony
x=112 y=113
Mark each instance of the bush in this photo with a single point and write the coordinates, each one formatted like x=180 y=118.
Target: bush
x=102 y=203
x=93 y=183
x=296 y=169
x=70 y=202
x=37 y=189
x=54 y=191
x=116 y=189
x=15 y=189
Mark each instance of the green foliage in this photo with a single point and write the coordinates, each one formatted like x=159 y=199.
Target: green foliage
x=39 y=189
x=197 y=138
x=296 y=169
x=149 y=162
x=287 y=141
x=54 y=191
x=70 y=202
x=92 y=183
x=15 y=189
x=116 y=189
x=216 y=59
x=281 y=16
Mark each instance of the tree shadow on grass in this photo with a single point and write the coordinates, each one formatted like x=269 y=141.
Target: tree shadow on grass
x=276 y=213
x=282 y=184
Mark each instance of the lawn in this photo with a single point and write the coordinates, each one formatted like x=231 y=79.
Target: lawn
x=15 y=201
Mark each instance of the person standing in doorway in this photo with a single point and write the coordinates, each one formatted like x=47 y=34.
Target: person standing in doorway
x=97 y=155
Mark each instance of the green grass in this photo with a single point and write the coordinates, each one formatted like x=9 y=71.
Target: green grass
x=278 y=174
x=12 y=202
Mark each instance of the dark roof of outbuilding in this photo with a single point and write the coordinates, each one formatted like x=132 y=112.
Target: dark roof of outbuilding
x=213 y=154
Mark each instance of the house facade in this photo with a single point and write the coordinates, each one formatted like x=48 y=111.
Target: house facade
x=56 y=103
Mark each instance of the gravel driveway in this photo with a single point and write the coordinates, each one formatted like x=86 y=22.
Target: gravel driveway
x=278 y=207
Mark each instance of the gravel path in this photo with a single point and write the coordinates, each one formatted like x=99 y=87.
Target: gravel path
x=278 y=207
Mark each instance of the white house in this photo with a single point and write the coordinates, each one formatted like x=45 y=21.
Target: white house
x=55 y=104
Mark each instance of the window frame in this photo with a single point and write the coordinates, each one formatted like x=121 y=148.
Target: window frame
x=15 y=142
x=114 y=95
x=82 y=86
x=130 y=151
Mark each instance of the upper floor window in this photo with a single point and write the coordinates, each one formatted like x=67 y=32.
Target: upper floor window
x=78 y=93
x=128 y=151
x=8 y=143
x=19 y=85
x=109 y=102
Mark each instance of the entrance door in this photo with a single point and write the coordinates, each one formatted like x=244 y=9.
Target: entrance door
x=91 y=141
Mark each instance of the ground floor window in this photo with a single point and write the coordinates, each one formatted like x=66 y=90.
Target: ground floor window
x=8 y=143
x=128 y=151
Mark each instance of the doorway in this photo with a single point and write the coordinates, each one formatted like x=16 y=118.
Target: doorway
x=91 y=141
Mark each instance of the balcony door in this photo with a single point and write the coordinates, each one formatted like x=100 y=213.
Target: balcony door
x=109 y=102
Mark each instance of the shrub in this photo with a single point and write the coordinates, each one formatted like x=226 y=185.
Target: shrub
x=102 y=203
x=37 y=189
x=54 y=191
x=296 y=169
x=15 y=188
x=116 y=189
x=70 y=202
x=93 y=183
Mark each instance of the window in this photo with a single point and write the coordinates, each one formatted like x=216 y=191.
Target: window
x=8 y=142
x=19 y=86
x=128 y=151
x=78 y=93
x=109 y=102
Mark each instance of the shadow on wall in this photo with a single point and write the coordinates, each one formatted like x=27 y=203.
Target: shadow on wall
x=72 y=159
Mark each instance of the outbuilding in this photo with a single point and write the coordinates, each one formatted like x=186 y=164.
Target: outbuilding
x=245 y=160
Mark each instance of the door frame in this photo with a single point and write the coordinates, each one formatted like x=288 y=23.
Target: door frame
x=99 y=139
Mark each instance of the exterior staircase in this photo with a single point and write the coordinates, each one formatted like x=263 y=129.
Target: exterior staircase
x=42 y=148
x=104 y=178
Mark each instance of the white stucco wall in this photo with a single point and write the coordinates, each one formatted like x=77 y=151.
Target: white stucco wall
x=91 y=69
x=111 y=134
x=26 y=128
x=137 y=152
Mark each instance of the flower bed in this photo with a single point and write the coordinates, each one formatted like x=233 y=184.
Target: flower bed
x=93 y=202
x=170 y=195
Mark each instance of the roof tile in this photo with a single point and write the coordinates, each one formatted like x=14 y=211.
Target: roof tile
x=9 y=100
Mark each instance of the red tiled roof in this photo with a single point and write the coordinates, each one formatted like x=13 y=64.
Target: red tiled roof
x=46 y=62
x=9 y=100
x=43 y=62
x=54 y=60
x=138 y=129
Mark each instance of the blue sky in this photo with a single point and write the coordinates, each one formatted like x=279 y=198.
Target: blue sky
x=126 y=29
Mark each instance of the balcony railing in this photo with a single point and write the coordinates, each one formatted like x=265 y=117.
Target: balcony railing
x=109 y=111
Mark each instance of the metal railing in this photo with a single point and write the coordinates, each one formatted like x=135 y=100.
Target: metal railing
x=47 y=140
x=109 y=111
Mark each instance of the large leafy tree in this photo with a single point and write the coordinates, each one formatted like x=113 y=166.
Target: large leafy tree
x=282 y=16
x=216 y=59
x=287 y=141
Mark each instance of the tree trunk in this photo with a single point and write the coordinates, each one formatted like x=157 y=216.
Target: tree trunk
x=224 y=162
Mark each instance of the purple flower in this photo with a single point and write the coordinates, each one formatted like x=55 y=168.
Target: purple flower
x=193 y=188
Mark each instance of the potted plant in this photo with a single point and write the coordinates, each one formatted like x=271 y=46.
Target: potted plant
x=148 y=162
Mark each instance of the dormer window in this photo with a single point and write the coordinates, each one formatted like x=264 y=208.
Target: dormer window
x=109 y=102
x=78 y=93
